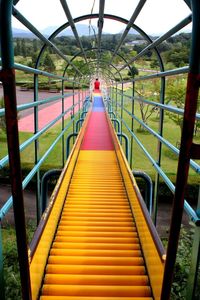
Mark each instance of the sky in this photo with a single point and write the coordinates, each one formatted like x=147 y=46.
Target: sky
x=156 y=17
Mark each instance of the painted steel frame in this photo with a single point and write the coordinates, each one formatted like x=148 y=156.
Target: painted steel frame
x=188 y=149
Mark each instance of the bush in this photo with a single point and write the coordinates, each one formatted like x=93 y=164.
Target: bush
x=10 y=262
x=182 y=266
x=11 y=269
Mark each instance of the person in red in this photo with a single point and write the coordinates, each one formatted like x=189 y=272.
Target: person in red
x=96 y=84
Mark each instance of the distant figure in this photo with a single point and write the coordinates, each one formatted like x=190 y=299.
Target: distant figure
x=96 y=84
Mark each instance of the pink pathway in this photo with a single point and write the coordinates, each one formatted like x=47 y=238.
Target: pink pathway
x=47 y=114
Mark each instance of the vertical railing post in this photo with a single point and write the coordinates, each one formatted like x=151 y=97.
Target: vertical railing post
x=36 y=144
x=7 y=76
x=63 y=122
x=79 y=100
x=116 y=98
x=73 y=111
x=132 y=123
x=112 y=95
x=159 y=151
x=122 y=108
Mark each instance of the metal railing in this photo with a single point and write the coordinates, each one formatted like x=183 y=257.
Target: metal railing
x=121 y=107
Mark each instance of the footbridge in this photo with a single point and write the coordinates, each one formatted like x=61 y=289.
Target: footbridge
x=96 y=237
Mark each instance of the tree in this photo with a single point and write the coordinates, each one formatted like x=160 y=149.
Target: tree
x=133 y=71
x=175 y=95
x=17 y=48
x=48 y=64
x=146 y=110
x=178 y=55
x=23 y=48
x=35 y=46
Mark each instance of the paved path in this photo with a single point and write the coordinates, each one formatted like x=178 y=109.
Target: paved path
x=47 y=112
x=46 y=115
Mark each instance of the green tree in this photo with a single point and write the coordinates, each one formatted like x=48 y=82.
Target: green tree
x=178 y=55
x=175 y=95
x=133 y=71
x=23 y=48
x=48 y=64
x=17 y=48
x=35 y=46
x=146 y=110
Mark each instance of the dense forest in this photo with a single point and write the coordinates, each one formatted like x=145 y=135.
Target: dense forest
x=174 y=51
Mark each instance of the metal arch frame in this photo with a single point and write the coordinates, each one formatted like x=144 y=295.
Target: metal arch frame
x=129 y=25
x=3 y=2
x=34 y=30
x=108 y=71
x=93 y=61
x=111 y=17
x=73 y=27
x=162 y=93
x=139 y=30
x=95 y=48
x=159 y=40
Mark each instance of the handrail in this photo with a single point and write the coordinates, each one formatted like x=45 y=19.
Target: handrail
x=4 y=160
x=30 y=175
x=98 y=66
x=25 y=106
x=193 y=164
x=190 y=211
x=167 y=107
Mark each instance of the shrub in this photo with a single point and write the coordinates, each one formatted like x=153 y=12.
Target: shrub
x=182 y=266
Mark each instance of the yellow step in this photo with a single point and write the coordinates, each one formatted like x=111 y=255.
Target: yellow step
x=93 y=218
x=93 y=252
x=100 y=228
x=91 y=260
x=87 y=233
x=92 y=298
x=78 y=201
x=104 y=240
x=97 y=246
x=75 y=279
x=97 y=290
x=64 y=221
x=95 y=270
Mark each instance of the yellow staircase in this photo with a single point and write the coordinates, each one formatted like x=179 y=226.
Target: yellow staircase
x=96 y=253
